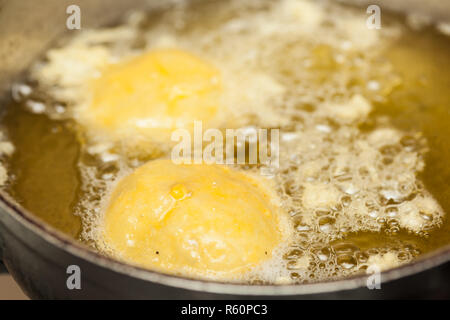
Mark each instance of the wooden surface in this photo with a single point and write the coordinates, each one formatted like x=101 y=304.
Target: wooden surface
x=9 y=289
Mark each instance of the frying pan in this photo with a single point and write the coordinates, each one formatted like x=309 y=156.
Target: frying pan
x=38 y=256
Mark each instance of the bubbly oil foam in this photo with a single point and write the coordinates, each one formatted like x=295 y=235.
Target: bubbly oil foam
x=6 y=150
x=307 y=67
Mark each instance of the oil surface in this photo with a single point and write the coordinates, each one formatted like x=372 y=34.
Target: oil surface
x=45 y=174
